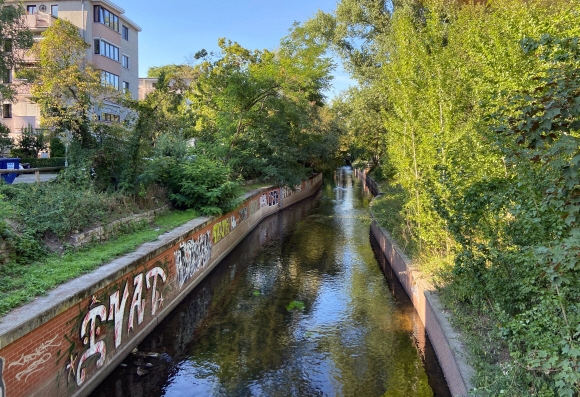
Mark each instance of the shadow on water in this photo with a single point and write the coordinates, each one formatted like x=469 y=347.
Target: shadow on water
x=299 y=308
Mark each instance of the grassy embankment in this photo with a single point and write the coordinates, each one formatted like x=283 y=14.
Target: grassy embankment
x=22 y=282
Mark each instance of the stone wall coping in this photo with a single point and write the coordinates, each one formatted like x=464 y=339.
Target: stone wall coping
x=22 y=320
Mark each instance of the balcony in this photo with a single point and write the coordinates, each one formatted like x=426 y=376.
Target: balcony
x=39 y=21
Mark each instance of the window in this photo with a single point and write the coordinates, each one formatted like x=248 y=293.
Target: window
x=110 y=79
x=7 y=110
x=110 y=117
x=7 y=45
x=125 y=33
x=106 y=17
x=31 y=9
x=54 y=10
x=7 y=76
x=125 y=61
x=125 y=87
x=106 y=49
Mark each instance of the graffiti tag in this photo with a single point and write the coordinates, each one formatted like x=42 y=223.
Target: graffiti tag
x=191 y=256
x=33 y=362
x=91 y=326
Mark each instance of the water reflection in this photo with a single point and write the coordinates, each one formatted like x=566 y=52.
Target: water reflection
x=238 y=334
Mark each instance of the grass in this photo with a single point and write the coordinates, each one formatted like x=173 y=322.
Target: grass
x=20 y=283
x=388 y=212
x=254 y=186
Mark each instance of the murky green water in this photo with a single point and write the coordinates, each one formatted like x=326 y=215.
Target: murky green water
x=300 y=308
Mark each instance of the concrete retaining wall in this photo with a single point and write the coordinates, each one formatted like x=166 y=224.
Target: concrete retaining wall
x=446 y=343
x=65 y=343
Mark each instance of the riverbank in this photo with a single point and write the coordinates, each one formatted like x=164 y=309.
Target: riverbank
x=66 y=342
x=448 y=345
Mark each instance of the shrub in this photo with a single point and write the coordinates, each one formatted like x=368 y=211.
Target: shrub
x=61 y=208
x=39 y=163
x=57 y=148
x=197 y=182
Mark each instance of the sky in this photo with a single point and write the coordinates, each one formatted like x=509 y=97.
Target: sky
x=173 y=30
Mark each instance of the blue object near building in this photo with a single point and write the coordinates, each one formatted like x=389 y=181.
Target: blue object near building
x=9 y=164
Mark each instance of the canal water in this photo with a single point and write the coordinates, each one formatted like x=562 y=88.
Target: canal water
x=299 y=308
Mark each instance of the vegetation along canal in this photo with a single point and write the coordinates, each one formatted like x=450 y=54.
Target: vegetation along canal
x=299 y=308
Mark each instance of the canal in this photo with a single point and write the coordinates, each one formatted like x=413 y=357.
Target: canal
x=299 y=308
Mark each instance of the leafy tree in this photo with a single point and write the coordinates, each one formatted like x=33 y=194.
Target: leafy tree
x=476 y=115
x=65 y=85
x=15 y=37
x=6 y=142
x=31 y=142
x=57 y=147
x=172 y=71
x=256 y=109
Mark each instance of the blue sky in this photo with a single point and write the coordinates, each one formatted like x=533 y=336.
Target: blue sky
x=175 y=29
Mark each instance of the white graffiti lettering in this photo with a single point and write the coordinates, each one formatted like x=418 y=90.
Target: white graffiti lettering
x=153 y=273
x=263 y=201
x=90 y=329
x=33 y=362
x=269 y=200
x=137 y=303
x=117 y=312
x=273 y=198
x=191 y=256
x=94 y=346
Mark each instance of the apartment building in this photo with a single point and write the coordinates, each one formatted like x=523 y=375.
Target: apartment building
x=114 y=40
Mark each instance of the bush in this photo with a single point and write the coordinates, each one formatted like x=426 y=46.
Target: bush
x=61 y=208
x=57 y=148
x=197 y=182
x=40 y=163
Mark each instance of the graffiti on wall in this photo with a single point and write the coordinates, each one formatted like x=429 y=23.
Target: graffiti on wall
x=220 y=230
x=269 y=199
x=2 y=384
x=289 y=191
x=243 y=214
x=91 y=326
x=191 y=256
x=33 y=362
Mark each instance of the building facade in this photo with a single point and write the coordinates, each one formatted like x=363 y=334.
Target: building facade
x=146 y=86
x=114 y=41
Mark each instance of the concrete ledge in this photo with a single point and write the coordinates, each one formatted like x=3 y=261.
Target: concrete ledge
x=446 y=342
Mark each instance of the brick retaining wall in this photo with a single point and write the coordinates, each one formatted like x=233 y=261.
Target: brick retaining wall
x=446 y=342
x=65 y=343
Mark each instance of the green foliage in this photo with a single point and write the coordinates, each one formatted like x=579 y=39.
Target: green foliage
x=259 y=111
x=36 y=162
x=30 y=142
x=295 y=305
x=57 y=147
x=473 y=111
x=196 y=182
x=15 y=39
x=171 y=71
x=65 y=85
x=6 y=142
x=60 y=208
x=23 y=280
